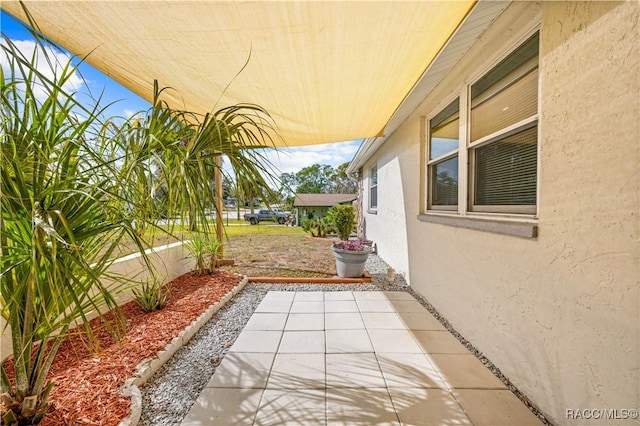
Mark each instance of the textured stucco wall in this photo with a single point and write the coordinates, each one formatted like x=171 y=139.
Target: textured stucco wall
x=389 y=225
x=169 y=262
x=559 y=314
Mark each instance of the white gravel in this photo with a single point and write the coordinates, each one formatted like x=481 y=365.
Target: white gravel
x=168 y=396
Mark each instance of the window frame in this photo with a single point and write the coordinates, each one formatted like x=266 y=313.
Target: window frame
x=466 y=208
x=373 y=171
x=430 y=163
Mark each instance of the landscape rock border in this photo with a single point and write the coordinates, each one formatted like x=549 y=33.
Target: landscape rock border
x=149 y=366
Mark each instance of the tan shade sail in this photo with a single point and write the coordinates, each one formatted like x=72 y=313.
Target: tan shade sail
x=327 y=71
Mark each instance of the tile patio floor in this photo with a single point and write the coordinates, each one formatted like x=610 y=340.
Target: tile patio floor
x=351 y=358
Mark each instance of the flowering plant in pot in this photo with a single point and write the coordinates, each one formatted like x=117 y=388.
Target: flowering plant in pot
x=351 y=255
x=352 y=245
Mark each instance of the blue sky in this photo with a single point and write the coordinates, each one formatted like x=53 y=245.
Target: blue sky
x=126 y=103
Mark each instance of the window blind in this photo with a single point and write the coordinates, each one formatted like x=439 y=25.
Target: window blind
x=505 y=171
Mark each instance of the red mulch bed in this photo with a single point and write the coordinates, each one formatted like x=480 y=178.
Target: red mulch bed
x=88 y=383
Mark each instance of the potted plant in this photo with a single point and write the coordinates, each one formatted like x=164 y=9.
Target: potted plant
x=351 y=255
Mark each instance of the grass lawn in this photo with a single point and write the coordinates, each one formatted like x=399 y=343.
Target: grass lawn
x=264 y=228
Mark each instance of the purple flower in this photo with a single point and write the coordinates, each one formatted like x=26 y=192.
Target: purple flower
x=352 y=245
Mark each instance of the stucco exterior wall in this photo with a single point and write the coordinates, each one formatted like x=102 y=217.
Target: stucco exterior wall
x=169 y=262
x=387 y=227
x=558 y=314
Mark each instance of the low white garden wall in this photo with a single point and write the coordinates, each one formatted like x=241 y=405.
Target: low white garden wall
x=170 y=261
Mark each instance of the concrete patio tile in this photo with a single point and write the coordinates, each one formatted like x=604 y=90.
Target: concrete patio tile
x=298 y=371
x=266 y=321
x=274 y=306
x=393 y=341
x=373 y=367
x=420 y=321
x=242 y=370
x=409 y=371
x=307 y=307
x=343 y=321
x=465 y=372
x=420 y=406
x=348 y=341
x=338 y=295
x=360 y=370
x=280 y=295
x=439 y=342
x=408 y=306
x=305 y=322
x=398 y=295
x=495 y=408
x=224 y=407
x=292 y=407
x=309 y=296
x=257 y=341
x=340 y=306
x=369 y=295
x=385 y=320
x=375 y=306
x=361 y=407
x=302 y=342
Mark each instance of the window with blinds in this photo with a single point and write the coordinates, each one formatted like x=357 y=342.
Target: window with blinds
x=504 y=134
x=444 y=137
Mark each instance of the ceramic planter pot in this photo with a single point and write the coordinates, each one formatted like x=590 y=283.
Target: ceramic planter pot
x=350 y=264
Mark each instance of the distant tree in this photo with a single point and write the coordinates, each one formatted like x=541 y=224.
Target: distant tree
x=340 y=182
x=288 y=184
x=314 y=179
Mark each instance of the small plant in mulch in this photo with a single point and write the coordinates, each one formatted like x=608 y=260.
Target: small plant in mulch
x=152 y=295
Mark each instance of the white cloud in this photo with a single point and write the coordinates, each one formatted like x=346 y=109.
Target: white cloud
x=128 y=113
x=292 y=160
x=49 y=62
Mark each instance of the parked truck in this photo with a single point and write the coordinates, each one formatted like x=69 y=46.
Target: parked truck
x=268 y=215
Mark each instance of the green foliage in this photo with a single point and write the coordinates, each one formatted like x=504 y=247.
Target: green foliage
x=343 y=218
x=341 y=183
x=204 y=249
x=152 y=295
x=316 y=227
x=73 y=186
x=62 y=218
x=314 y=179
x=317 y=179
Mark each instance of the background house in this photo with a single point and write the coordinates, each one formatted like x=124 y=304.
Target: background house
x=506 y=189
x=318 y=204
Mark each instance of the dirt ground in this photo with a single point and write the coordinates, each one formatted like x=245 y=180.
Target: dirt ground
x=270 y=255
x=280 y=256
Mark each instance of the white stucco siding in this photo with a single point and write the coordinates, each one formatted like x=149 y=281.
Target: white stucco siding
x=388 y=225
x=558 y=314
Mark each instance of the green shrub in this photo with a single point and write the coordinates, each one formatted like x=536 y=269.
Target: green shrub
x=316 y=227
x=152 y=295
x=204 y=249
x=344 y=220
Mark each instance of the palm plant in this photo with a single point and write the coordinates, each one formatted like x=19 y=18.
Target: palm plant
x=73 y=186
x=62 y=218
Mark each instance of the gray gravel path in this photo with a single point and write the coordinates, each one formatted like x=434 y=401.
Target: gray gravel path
x=170 y=393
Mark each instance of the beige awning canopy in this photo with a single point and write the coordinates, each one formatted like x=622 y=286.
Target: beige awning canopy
x=327 y=71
